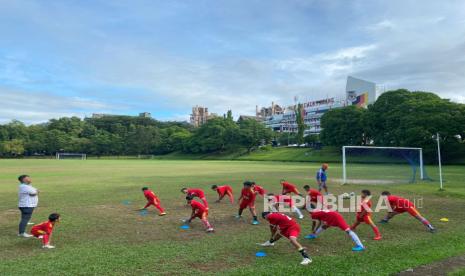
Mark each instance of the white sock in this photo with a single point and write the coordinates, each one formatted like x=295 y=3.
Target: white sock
x=295 y=209
x=355 y=238
x=319 y=230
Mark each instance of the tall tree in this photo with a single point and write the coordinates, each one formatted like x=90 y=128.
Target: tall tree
x=299 y=118
x=343 y=126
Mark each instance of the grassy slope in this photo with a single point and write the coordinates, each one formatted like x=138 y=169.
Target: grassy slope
x=100 y=235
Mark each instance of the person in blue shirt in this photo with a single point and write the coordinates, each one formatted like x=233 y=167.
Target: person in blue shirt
x=321 y=178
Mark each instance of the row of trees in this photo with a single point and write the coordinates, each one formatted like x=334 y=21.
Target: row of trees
x=125 y=135
x=400 y=118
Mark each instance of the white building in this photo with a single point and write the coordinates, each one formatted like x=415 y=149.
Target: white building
x=358 y=92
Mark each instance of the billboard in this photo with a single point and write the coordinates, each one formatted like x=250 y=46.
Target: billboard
x=360 y=92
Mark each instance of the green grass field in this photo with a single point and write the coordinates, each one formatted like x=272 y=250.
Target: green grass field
x=99 y=235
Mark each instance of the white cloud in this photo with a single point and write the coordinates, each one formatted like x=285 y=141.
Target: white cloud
x=306 y=49
x=31 y=107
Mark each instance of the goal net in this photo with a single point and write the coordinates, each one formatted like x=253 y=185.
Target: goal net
x=382 y=165
x=67 y=155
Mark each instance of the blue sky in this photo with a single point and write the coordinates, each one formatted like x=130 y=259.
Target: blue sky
x=64 y=58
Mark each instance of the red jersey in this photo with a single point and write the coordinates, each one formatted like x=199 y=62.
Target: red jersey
x=45 y=227
x=289 y=188
x=196 y=192
x=221 y=190
x=281 y=220
x=248 y=195
x=259 y=190
x=150 y=195
x=198 y=207
x=315 y=195
x=399 y=204
x=283 y=199
x=331 y=218
x=365 y=206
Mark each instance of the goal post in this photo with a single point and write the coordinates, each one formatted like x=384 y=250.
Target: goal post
x=402 y=150
x=68 y=155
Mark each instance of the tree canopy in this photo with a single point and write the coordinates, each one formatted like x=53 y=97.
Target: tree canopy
x=399 y=118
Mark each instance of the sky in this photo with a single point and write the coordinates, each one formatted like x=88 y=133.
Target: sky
x=75 y=58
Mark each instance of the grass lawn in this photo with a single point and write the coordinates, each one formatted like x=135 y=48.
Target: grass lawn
x=99 y=235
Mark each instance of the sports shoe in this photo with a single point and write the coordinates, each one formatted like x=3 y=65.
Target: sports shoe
x=238 y=217
x=24 y=235
x=301 y=217
x=48 y=246
x=377 y=238
x=162 y=214
x=210 y=230
x=255 y=222
x=311 y=237
x=358 y=248
x=267 y=243
x=432 y=230
x=30 y=223
x=306 y=261
x=383 y=221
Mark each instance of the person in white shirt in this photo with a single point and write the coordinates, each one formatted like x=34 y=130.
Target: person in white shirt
x=28 y=199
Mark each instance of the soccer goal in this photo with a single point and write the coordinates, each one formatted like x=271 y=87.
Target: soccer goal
x=67 y=155
x=382 y=165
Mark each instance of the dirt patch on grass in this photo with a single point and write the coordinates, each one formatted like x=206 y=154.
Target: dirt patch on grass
x=437 y=268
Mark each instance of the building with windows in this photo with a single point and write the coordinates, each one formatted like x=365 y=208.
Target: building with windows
x=200 y=116
x=103 y=115
x=358 y=92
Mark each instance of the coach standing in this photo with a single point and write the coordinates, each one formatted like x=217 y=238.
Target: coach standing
x=28 y=199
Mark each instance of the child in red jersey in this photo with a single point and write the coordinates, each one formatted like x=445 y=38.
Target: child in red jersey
x=328 y=218
x=224 y=191
x=152 y=199
x=259 y=190
x=314 y=195
x=364 y=215
x=288 y=188
x=198 y=211
x=44 y=230
x=401 y=205
x=196 y=193
x=285 y=226
x=247 y=199
x=283 y=201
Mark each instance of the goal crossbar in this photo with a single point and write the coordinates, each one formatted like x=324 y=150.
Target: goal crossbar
x=344 y=171
x=59 y=155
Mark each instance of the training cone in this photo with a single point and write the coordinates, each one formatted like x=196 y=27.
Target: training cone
x=185 y=227
x=444 y=219
x=260 y=254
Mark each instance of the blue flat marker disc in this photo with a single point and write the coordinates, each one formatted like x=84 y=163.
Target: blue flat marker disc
x=185 y=226
x=143 y=212
x=260 y=254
